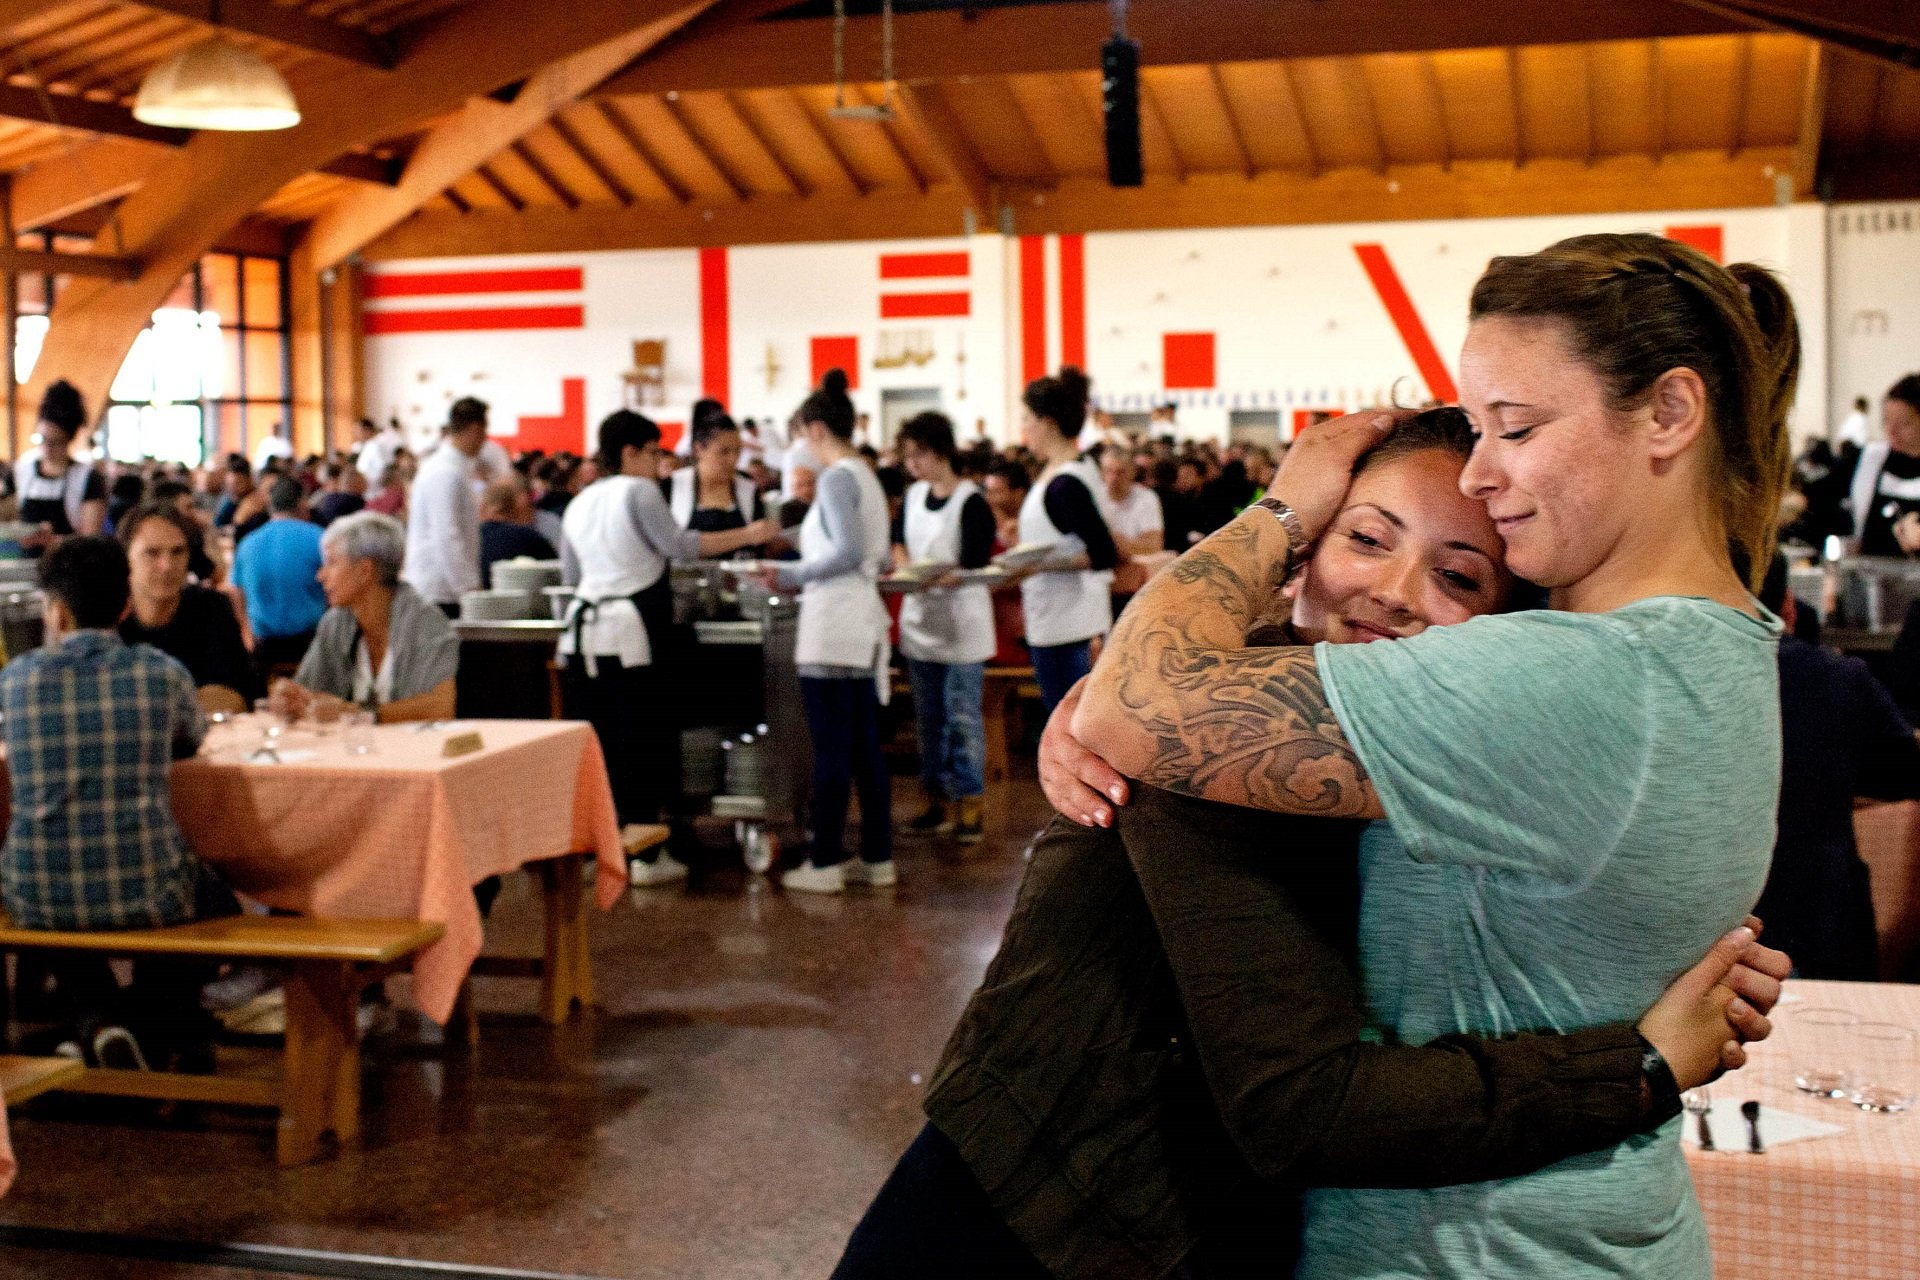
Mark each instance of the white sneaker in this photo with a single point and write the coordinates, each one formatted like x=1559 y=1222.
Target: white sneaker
x=875 y=875
x=664 y=869
x=807 y=878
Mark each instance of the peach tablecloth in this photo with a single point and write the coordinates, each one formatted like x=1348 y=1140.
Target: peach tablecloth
x=1843 y=1207
x=403 y=832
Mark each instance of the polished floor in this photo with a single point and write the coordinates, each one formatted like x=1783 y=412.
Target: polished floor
x=755 y=1064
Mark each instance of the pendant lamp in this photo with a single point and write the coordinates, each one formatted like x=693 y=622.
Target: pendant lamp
x=216 y=85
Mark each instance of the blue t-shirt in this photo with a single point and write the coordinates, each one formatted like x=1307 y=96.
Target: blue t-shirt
x=275 y=565
x=1577 y=806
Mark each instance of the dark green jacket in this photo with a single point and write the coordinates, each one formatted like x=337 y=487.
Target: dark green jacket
x=1170 y=1044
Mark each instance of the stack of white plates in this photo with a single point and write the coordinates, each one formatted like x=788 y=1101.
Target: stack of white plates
x=495 y=606
x=746 y=772
x=525 y=575
x=559 y=600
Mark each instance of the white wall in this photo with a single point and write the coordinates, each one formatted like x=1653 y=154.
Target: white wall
x=1297 y=322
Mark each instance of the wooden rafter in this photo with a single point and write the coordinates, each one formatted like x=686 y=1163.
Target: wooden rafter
x=217 y=178
x=88 y=175
x=498 y=186
x=1517 y=111
x=1370 y=111
x=885 y=128
x=483 y=128
x=548 y=178
x=1150 y=111
x=1291 y=105
x=590 y=158
x=1015 y=40
x=1472 y=189
x=821 y=134
x=1886 y=31
x=932 y=116
x=290 y=27
x=92 y=266
x=1232 y=119
x=709 y=155
x=648 y=158
x=765 y=144
x=1813 y=121
x=1440 y=115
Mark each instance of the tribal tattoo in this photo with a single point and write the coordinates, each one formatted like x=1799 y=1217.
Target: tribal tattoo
x=1181 y=701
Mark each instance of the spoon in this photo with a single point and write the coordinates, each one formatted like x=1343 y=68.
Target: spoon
x=1751 y=1110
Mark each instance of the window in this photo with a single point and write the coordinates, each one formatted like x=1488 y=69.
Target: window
x=210 y=375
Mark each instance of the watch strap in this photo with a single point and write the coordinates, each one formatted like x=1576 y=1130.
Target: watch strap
x=1290 y=521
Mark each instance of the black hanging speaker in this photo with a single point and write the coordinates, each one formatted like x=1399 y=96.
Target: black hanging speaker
x=1120 y=101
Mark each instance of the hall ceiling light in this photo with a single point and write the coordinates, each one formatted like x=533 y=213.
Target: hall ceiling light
x=216 y=85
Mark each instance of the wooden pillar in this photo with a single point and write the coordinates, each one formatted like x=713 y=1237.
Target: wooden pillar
x=308 y=342
x=11 y=283
x=345 y=351
x=328 y=371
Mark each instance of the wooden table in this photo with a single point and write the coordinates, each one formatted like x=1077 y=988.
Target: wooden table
x=1837 y=1208
x=406 y=832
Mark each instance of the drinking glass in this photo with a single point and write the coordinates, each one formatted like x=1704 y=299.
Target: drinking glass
x=1822 y=1044
x=272 y=724
x=1882 y=1067
x=356 y=731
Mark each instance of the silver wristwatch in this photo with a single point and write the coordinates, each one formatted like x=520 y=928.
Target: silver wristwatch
x=1296 y=532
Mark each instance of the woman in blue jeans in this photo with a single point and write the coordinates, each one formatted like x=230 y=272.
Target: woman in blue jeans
x=1066 y=599
x=841 y=648
x=946 y=632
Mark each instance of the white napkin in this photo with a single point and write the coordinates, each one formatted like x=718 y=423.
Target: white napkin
x=288 y=755
x=1777 y=1126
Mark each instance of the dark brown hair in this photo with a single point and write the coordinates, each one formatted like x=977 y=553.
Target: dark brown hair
x=1639 y=306
x=830 y=406
x=1445 y=428
x=157 y=509
x=1061 y=399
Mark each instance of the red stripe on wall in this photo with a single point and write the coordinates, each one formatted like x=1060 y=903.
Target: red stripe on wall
x=554 y=432
x=1393 y=296
x=1709 y=238
x=1033 y=307
x=475 y=320
x=715 y=326
x=1073 y=301
x=421 y=284
x=921 y=266
x=906 y=306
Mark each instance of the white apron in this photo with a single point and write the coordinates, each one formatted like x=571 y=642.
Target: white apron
x=71 y=486
x=616 y=564
x=684 y=485
x=843 y=622
x=1063 y=608
x=951 y=625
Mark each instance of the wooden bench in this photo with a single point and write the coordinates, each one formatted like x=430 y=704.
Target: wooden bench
x=24 y=1078
x=328 y=962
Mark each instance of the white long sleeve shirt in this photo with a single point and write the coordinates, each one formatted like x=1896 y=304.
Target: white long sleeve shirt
x=443 y=528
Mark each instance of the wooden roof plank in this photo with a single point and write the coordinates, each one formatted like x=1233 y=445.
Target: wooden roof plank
x=616 y=119
x=288 y=26
x=930 y=113
x=544 y=172
x=601 y=170
x=764 y=143
x=710 y=155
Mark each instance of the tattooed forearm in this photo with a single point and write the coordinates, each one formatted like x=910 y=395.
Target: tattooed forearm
x=1180 y=700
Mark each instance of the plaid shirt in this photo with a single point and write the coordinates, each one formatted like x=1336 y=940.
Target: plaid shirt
x=93 y=726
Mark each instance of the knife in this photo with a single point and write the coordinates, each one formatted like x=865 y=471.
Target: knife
x=1751 y=1110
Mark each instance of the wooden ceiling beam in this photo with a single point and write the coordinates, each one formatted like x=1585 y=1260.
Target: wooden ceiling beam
x=824 y=137
x=765 y=142
x=1813 y=124
x=548 y=178
x=1232 y=119
x=709 y=155
x=91 y=266
x=1291 y=105
x=601 y=171
x=918 y=180
x=498 y=186
x=941 y=44
x=648 y=158
x=1471 y=189
x=290 y=27
x=932 y=116
x=482 y=129
x=1887 y=31
x=214 y=181
x=1151 y=113
x=90 y=174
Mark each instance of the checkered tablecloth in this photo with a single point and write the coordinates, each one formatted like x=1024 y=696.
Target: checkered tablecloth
x=1845 y=1207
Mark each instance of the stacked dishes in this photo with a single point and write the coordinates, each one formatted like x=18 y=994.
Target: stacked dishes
x=529 y=578
x=746 y=767
x=495 y=606
x=559 y=600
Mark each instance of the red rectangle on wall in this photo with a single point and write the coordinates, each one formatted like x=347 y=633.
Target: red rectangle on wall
x=922 y=266
x=715 y=326
x=911 y=306
x=1188 y=358
x=475 y=320
x=423 y=284
x=1709 y=238
x=1033 y=307
x=837 y=353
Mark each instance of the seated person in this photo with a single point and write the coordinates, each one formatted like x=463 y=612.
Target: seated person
x=179 y=495
x=91 y=846
x=276 y=566
x=1841 y=736
x=380 y=645
x=194 y=625
x=507 y=529
x=343 y=491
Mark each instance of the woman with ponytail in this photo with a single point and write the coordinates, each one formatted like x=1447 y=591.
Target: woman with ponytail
x=1569 y=805
x=61 y=495
x=1067 y=600
x=712 y=496
x=841 y=648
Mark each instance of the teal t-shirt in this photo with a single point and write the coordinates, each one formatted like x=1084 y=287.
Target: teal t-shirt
x=1577 y=806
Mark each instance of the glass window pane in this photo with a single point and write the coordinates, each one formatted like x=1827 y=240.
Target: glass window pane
x=263 y=420
x=230 y=364
x=263 y=366
x=29 y=335
x=263 y=293
x=220 y=287
x=123 y=432
x=227 y=421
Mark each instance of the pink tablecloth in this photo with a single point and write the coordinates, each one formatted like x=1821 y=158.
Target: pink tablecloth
x=403 y=832
x=1838 y=1208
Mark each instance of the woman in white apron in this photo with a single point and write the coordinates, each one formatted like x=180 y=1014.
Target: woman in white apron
x=61 y=495
x=619 y=540
x=1886 y=481
x=841 y=648
x=712 y=496
x=946 y=633
x=1067 y=601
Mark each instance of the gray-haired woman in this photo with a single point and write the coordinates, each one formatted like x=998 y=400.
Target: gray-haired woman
x=380 y=644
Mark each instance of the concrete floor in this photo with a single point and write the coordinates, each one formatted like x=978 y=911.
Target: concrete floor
x=754 y=1067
